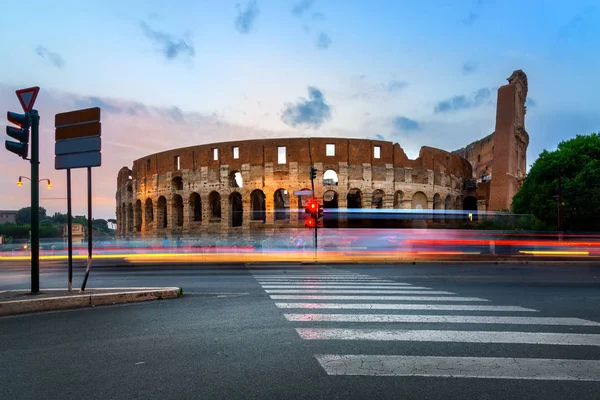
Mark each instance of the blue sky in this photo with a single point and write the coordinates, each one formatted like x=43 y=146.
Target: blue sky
x=413 y=72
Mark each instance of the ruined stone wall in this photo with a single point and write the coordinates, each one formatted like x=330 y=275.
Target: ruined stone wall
x=178 y=191
x=480 y=155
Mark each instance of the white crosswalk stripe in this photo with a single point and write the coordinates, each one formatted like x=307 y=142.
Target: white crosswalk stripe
x=372 y=296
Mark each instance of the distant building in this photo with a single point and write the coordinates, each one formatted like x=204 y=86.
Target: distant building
x=8 y=216
x=76 y=230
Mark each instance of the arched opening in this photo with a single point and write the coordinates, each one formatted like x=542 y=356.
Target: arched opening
x=237 y=210
x=138 y=215
x=123 y=217
x=196 y=207
x=470 y=205
x=130 y=217
x=437 y=207
x=447 y=206
x=398 y=199
x=258 y=206
x=129 y=188
x=235 y=180
x=377 y=199
x=354 y=198
x=149 y=211
x=282 y=205
x=419 y=201
x=458 y=205
x=330 y=202
x=178 y=210
x=177 y=183
x=161 y=217
x=214 y=198
x=301 y=203
x=330 y=178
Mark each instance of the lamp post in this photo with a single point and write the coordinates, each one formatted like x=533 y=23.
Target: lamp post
x=20 y=181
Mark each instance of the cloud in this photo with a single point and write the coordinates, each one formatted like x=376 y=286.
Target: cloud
x=323 y=41
x=246 y=17
x=530 y=102
x=576 y=23
x=379 y=137
x=169 y=46
x=406 y=124
x=396 y=86
x=311 y=113
x=469 y=68
x=462 y=102
x=300 y=7
x=54 y=58
x=92 y=101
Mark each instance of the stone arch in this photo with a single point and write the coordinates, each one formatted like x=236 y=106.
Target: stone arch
x=398 y=199
x=330 y=202
x=237 y=209
x=161 y=213
x=177 y=205
x=149 y=211
x=437 y=205
x=130 y=217
x=195 y=207
x=448 y=203
x=470 y=205
x=330 y=178
x=377 y=199
x=354 y=198
x=258 y=206
x=281 y=205
x=419 y=201
x=177 y=183
x=301 y=203
x=235 y=179
x=138 y=215
x=214 y=199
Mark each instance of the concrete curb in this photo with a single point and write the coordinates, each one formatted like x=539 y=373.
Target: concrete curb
x=128 y=295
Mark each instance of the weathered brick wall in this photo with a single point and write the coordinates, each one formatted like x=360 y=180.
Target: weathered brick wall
x=150 y=203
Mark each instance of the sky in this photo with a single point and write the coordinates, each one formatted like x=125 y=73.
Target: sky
x=170 y=74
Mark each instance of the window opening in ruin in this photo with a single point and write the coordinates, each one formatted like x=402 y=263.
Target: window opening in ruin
x=236 y=153
x=177 y=183
x=162 y=213
x=330 y=149
x=177 y=163
x=237 y=211
x=478 y=157
x=215 y=154
x=149 y=211
x=235 y=179
x=376 y=151
x=258 y=206
x=138 y=215
x=419 y=201
x=130 y=218
x=398 y=198
x=196 y=205
x=354 y=199
x=129 y=188
x=214 y=198
x=377 y=199
x=281 y=156
x=470 y=204
x=301 y=203
x=330 y=178
x=178 y=210
x=148 y=164
x=282 y=205
x=330 y=203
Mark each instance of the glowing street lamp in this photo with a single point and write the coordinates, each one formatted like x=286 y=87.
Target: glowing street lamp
x=20 y=181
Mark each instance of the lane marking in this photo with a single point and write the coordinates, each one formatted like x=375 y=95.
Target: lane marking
x=461 y=367
x=370 y=298
x=442 y=319
x=560 y=339
x=312 y=275
x=341 y=281
x=386 y=284
x=356 y=291
x=344 y=287
x=429 y=307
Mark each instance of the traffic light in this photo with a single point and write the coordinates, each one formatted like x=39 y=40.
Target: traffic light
x=309 y=222
x=313 y=173
x=311 y=209
x=20 y=148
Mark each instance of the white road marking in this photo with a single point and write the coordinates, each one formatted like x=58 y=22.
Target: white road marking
x=442 y=319
x=386 y=284
x=461 y=367
x=370 y=298
x=563 y=339
x=356 y=291
x=312 y=276
x=428 y=307
x=344 y=287
x=340 y=281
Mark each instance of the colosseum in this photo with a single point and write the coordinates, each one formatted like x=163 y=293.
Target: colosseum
x=251 y=184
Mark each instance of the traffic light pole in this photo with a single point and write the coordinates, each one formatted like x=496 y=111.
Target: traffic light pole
x=35 y=202
x=312 y=184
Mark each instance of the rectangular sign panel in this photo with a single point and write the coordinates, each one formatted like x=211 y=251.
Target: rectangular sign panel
x=77 y=131
x=77 y=117
x=302 y=192
x=78 y=145
x=78 y=160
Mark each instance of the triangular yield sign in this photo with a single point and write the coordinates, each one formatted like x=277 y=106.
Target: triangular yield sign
x=27 y=97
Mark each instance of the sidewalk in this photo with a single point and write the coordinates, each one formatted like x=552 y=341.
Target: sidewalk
x=22 y=301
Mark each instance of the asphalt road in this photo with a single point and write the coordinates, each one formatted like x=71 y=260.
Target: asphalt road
x=418 y=331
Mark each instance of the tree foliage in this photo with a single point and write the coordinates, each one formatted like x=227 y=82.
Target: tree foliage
x=579 y=161
x=23 y=216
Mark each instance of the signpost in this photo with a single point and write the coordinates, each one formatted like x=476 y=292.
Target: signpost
x=30 y=119
x=78 y=145
x=303 y=192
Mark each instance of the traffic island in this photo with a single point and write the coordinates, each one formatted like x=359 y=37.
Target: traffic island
x=23 y=301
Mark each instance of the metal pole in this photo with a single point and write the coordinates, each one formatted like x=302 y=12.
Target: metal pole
x=312 y=184
x=35 y=202
x=560 y=217
x=70 y=229
x=89 y=262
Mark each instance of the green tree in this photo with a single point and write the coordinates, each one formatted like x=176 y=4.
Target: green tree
x=59 y=218
x=579 y=162
x=100 y=224
x=23 y=216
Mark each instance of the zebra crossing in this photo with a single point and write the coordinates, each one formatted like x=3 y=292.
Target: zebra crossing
x=335 y=296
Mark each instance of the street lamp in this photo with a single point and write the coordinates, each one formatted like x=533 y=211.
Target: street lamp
x=20 y=182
